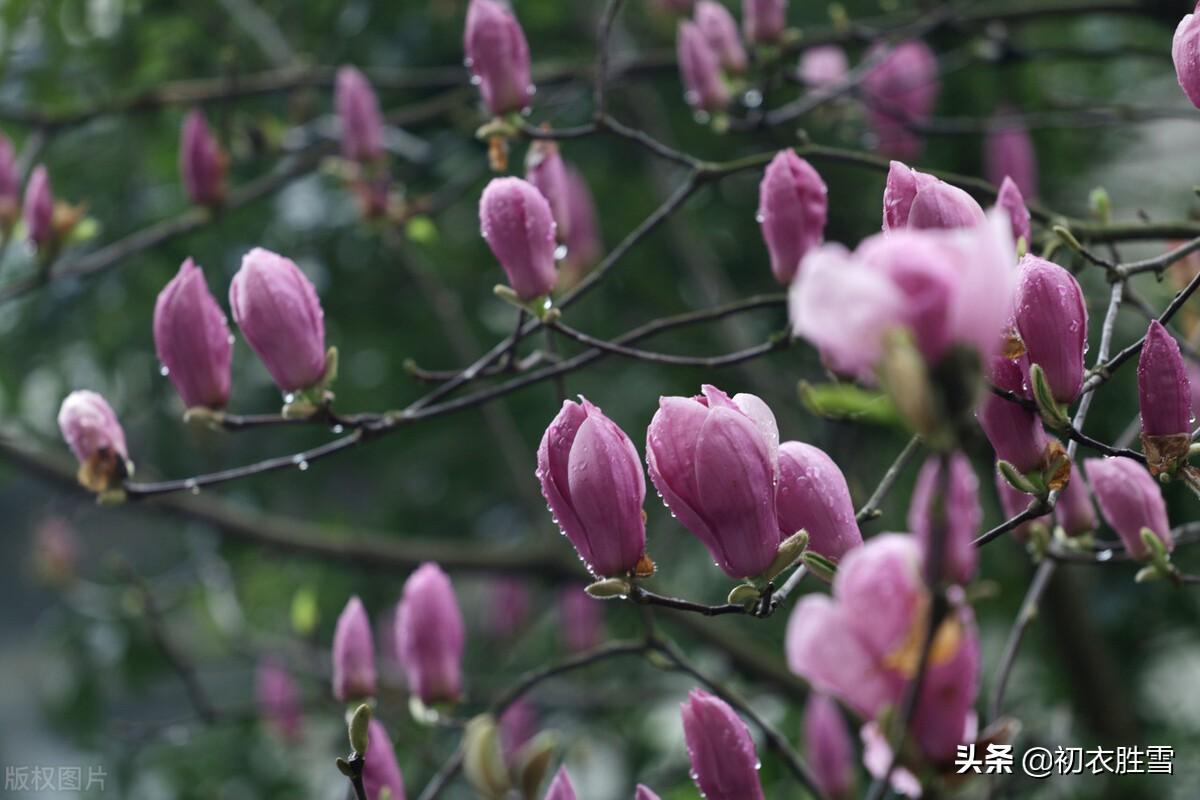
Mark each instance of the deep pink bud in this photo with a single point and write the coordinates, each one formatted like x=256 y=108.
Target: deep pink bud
x=380 y=770
x=1012 y=502
x=39 y=207
x=353 y=654
x=279 y=313
x=1164 y=391
x=518 y=724
x=828 y=746
x=201 y=163
x=544 y=169
x=1074 y=510
x=1130 y=500
x=724 y=762
x=792 y=206
x=584 y=246
x=823 y=66
x=430 y=636
x=561 y=787
x=358 y=112
x=900 y=90
x=580 y=619
x=1008 y=153
x=191 y=338
x=813 y=496
x=1014 y=430
x=899 y=192
x=1051 y=316
x=704 y=89
x=913 y=199
x=1010 y=200
x=278 y=698
x=10 y=183
x=1185 y=52
x=763 y=20
x=961 y=509
x=498 y=56
x=721 y=31
x=715 y=462
x=508 y=606
x=518 y=225
x=644 y=793
x=592 y=478
x=90 y=427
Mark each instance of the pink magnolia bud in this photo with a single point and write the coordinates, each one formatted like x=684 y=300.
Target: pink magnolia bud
x=644 y=793
x=1013 y=502
x=39 y=207
x=279 y=313
x=358 y=111
x=561 y=787
x=518 y=724
x=903 y=184
x=10 y=184
x=430 y=636
x=1014 y=430
x=592 y=478
x=380 y=770
x=764 y=20
x=518 y=225
x=201 y=163
x=1074 y=510
x=580 y=620
x=1164 y=391
x=813 y=496
x=1185 y=52
x=584 y=246
x=792 y=207
x=1130 y=500
x=1008 y=153
x=960 y=508
x=90 y=427
x=913 y=199
x=191 y=338
x=724 y=761
x=278 y=698
x=1012 y=202
x=498 y=56
x=828 y=746
x=544 y=168
x=823 y=66
x=508 y=607
x=721 y=31
x=353 y=654
x=1051 y=316
x=715 y=462
x=704 y=89
x=900 y=90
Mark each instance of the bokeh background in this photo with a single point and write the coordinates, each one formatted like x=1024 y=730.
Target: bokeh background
x=83 y=680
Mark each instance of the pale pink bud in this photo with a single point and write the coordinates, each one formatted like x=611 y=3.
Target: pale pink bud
x=278 y=698
x=1164 y=391
x=959 y=508
x=518 y=225
x=720 y=29
x=580 y=619
x=39 y=207
x=1130 y=499
x=358 y=112
x=813 y=496
x=823 y=66
x=584 y=246
x=498 y=56
x=592 y=478
x=544 y=168
x=828 y=746
x=1074 y=510
x=724 y=761
x=429 y=636
x=201 y=162
x=1051 y=316
x=1010 y=200
x=561 y=787
x=380 y=770
x=715 y=462
x=90 y=427
x=1008 y=153
x=913 y=199
x=1014 y=430
x=353 y=654
x=899 y=192
x=764 y=20
x=792 y=207
x=704 y=89
x=279 y=313
x=192 y=339
x=900 y=90
x=1185 y=52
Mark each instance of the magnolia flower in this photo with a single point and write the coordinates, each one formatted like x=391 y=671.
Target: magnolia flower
x=430 y=636
x=191 y=337
x=899 y=91
x=498 y=56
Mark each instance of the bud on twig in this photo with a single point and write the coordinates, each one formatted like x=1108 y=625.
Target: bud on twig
x=359 y=729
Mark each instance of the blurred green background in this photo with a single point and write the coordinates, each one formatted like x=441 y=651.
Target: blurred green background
x=82 y=681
